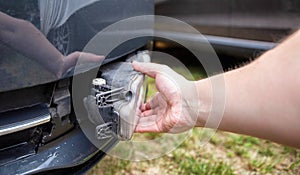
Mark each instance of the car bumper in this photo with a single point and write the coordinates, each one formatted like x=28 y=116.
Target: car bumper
x=69 y=151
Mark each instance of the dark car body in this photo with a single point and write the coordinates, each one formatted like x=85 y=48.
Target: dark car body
x=38 y=128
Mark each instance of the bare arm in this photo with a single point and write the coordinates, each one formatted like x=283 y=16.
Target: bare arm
x=28 y=40
x=262 y=98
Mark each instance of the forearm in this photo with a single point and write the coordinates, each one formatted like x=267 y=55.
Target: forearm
x=262 y=98
x=29 y=41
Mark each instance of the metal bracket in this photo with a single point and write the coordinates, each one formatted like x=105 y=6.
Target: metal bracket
x=105 y=97
x=104 y=131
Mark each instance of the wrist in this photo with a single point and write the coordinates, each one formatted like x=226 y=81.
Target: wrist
x=197 y=101
x=204 y=98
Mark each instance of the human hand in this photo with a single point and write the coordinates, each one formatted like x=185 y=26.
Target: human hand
x=71 y=60
x=174 y=108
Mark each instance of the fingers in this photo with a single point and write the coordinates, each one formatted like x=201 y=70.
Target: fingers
x=150 y=69
x=169 y=97
x=89 y=57
x=169 y=89
x=78 y=58
x=165 y=79
x=146 y=106
x=155 y=124
x=148 y=124
x=148 y=113
x=157 y=100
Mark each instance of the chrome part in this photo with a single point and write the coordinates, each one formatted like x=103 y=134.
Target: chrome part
x=104 y=131
x=106 y=95
x=22 y=125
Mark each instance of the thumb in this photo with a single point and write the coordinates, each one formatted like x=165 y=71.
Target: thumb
x=90 y=57
x=150 y=69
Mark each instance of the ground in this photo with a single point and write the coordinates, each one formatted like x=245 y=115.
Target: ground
x=224 y=154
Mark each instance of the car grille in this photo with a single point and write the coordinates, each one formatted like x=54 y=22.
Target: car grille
x=20 y=132
x=11 y=122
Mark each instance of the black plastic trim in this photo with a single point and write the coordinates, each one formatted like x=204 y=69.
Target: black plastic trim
x=71 y=150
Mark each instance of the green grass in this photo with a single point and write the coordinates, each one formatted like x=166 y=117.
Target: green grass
x=224 y=154
x=191 y=165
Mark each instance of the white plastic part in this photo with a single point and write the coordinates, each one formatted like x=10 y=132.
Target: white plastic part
x=99 y=81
